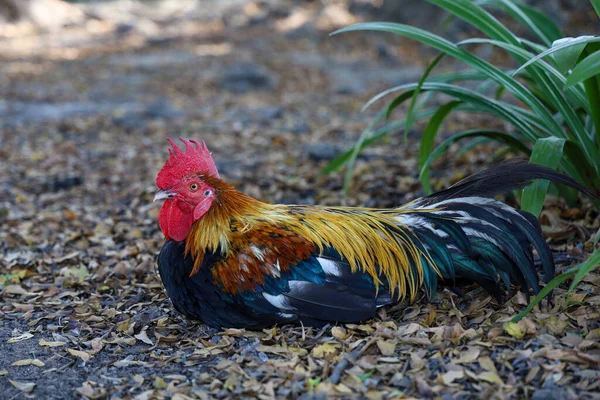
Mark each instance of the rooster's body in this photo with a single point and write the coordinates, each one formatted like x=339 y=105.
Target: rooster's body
x=232 y=261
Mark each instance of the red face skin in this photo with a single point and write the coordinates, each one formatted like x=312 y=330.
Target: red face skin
x=184 y=204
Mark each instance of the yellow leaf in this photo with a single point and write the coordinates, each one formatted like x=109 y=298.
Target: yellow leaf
x=159 y=383
x=555 y=325
x=3 y=372
x=44 y=342
x=339 y=333
x=468 y=356
x=123 y=326
x=298 y=350
x=20 y=338
x=76 y=274
x=14 y=289
x=487 y=364
x=28 y=361
x=416 y=362
x=324 y=350
x=513 y=330
x=81 y=354
x=23 y=386
x=451 y=376
x=386 y=347
x=490 y=377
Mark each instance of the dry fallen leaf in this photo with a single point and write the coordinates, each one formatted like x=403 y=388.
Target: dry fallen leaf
x=416 y=362
x=81 y=354
x=339 y=333
x=23 y=386
x=468 y=356
x=490 y=377
x=20 y=338
x=555 y=325
x=143 y=336
x=386 y=347
x=487 y=364
x=28 y=361
x=44 y=342
x=14 y=289
x=324 y=350
x=451 y=376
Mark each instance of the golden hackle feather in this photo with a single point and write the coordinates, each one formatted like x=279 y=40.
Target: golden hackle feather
x=364 y=237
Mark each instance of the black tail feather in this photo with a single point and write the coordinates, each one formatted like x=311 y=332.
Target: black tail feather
x=504 y=177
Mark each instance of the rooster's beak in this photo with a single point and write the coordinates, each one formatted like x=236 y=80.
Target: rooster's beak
x=164 y=194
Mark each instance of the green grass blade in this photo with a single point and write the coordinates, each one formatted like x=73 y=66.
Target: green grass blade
x=502 y=137
x=575 y=94
x=527 y=122
x=527 y=16
x=398 y=101
x=576 y=131
x=585 y=268
x=548 y=152
x=582 y=170
x=538 y=22
x=513 y=115
x=553 y=284
x=413 y=101
x=587 y=68
x=428 y=139
x=556 y=47
x=377 y=135
x=358 y=146
x=592 y=88
x=477 y=16
x=596 y=4
x=472 y=144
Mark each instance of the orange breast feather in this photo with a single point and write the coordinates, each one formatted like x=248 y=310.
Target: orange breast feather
x=264 y=250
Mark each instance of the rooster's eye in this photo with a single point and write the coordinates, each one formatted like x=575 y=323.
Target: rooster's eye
x=194 y=187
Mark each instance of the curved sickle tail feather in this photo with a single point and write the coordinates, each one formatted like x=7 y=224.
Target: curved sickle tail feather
x=470 y=235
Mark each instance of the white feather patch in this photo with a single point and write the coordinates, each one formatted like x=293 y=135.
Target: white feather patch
x=329 y=267
x=286 y=315
x=414 y=221
x=298 y=286
x=279 y=301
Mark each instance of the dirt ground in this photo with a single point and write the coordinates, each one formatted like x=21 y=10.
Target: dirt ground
x=84 y=114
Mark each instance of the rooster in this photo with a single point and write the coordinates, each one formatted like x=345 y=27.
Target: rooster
x=232 y=261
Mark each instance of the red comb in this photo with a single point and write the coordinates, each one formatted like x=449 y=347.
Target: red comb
x=195 y=160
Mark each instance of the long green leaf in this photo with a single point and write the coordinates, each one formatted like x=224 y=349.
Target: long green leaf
x=512 y=85
x=548 y=152
x=428 y=138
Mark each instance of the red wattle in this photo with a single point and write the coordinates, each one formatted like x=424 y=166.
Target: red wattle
x=174 y=223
